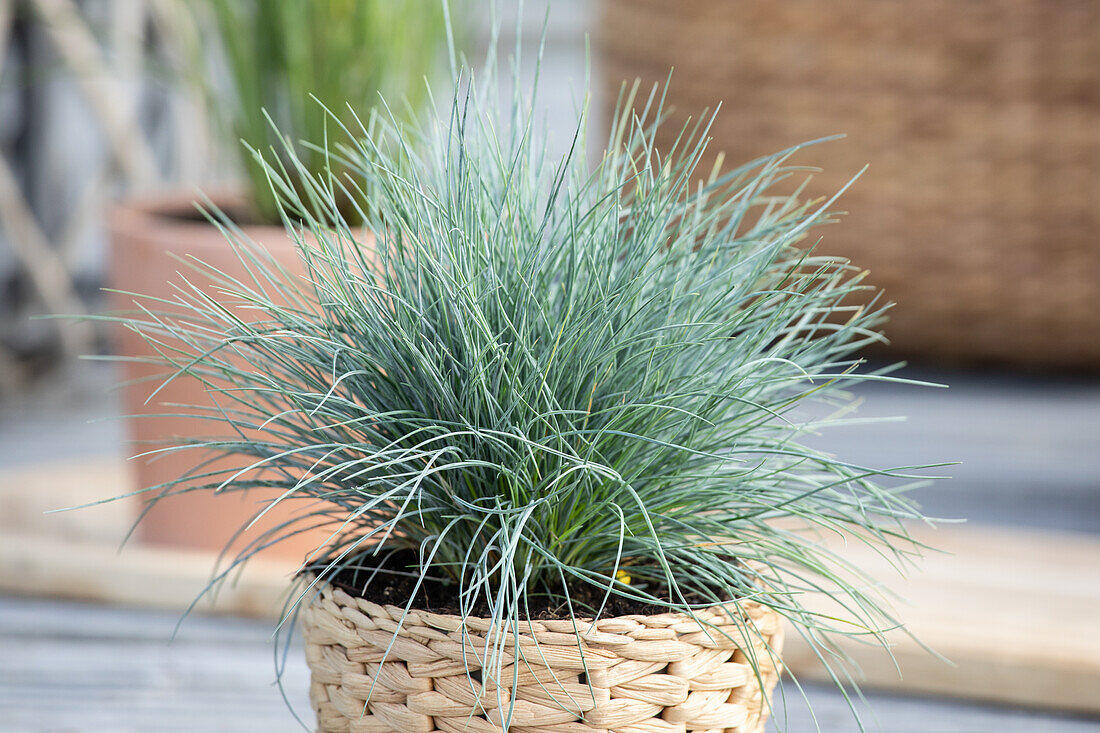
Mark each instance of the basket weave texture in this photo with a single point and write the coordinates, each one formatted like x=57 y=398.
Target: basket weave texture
x=980 y=212
x=639 y=674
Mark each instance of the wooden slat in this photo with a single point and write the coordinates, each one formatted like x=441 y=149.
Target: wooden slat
x=143 y=576
x=1017 y=612
x=78 y=554
x=30 y=497
x=47 y=272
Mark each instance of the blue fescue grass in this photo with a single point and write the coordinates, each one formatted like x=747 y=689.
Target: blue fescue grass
x=538 y=373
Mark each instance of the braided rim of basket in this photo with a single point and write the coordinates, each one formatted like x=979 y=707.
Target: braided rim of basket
x=380 y=669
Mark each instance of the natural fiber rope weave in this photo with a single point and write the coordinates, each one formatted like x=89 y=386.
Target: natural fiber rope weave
x=645 y=674
x=980 y=212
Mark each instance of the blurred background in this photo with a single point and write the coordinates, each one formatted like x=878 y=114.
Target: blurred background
x=979 y=215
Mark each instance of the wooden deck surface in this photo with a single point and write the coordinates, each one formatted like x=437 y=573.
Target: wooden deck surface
x=68 y=666
x=1015 y=611
x=112 y=669
x=90 y=668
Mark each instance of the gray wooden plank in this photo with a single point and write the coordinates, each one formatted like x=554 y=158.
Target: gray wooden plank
x=77 y=667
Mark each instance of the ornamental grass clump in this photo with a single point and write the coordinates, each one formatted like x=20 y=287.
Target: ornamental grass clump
x=540 y=388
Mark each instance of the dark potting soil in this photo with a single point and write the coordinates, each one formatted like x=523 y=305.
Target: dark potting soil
x=397 y=576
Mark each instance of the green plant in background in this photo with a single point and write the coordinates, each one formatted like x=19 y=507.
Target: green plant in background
x=556 y=384
x=279 y=54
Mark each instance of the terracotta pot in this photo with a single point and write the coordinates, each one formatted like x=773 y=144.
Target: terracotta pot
x=660 y=673
x=145 y=232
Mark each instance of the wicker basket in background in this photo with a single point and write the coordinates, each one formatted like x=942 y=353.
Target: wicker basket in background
x=637 y=674
x=980 y=213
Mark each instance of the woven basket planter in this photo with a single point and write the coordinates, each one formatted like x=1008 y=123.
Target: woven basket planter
x=980 y=212
x=645 y=674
